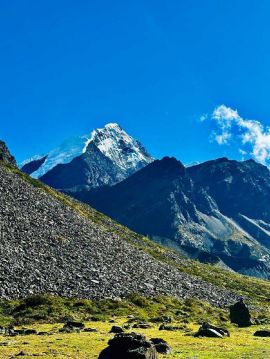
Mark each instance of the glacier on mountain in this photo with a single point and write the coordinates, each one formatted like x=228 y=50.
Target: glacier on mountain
x=124 y=151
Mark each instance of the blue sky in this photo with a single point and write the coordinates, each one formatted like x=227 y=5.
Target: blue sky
x=155 y=67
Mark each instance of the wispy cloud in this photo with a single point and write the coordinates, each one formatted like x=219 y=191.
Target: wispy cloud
x=254 y=137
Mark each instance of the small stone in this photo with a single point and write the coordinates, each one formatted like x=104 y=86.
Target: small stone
x=90 y=330
x=262 y=333
x=116 y=329
x=161 y=346
x=22 y=353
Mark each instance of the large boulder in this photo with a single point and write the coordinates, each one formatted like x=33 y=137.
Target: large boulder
x=239 y=314
x=211 y=331
x=129 y=346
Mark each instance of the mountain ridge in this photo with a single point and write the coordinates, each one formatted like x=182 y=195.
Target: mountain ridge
x=173 y=207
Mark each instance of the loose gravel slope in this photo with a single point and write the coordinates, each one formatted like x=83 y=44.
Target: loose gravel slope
x=49 y=246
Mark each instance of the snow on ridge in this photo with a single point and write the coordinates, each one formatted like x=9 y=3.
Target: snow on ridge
x=31 y=159
x=62 y=154
x=124 y=151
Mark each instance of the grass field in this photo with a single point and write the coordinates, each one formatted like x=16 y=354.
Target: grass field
x=241 y=344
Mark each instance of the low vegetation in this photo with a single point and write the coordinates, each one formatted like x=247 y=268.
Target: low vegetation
x=241 y=343
x=53 y=309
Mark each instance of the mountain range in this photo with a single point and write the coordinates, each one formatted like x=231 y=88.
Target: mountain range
x=217 y=211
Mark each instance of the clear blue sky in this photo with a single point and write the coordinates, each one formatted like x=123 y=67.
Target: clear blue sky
x=154 y=67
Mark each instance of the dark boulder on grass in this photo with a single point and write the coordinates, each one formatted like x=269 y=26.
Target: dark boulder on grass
x=129 y=346
x=142 y=325
x=170 y=328
x=211 y=331
x=161 y=345
x=90 y=330
x=162 y=319
x=21 y=354
x=262 y=333
x=116 y=329
x=71 y=324
x=30 y=332
x=71 y=327
x=239 y=314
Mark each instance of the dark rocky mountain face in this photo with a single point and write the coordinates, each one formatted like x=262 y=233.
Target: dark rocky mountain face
x=52 y=244
x=34 y=165
x=241 y=191
x=153 y=201
x=5 y=155
x=91 y=169
x=237 y=187
x=216 y=211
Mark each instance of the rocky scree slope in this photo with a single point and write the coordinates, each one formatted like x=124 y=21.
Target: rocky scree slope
x=51 y=244
x=216 y=212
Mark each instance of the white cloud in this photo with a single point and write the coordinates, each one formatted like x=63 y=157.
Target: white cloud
x=253 y=136
x=204 y=117
x=223 y=138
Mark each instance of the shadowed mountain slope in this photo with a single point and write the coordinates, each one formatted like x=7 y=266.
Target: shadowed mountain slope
x=217 y=211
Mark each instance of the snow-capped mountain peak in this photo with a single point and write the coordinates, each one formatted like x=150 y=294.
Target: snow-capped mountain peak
x=122 y=149
x=112 y=141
